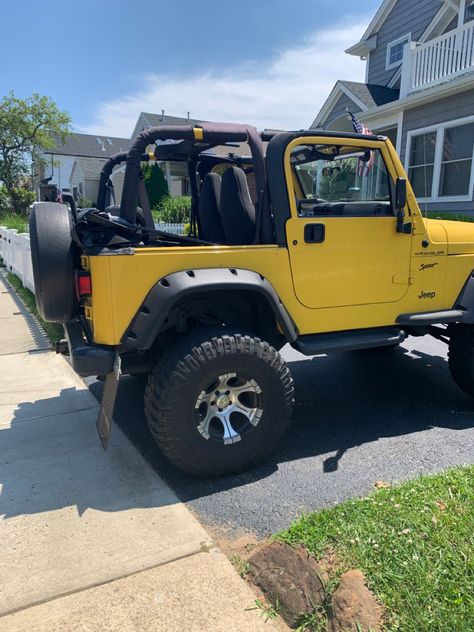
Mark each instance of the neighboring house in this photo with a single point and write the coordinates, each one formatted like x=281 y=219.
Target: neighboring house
x=54 y=172
x=419 y=91
x=84 y=179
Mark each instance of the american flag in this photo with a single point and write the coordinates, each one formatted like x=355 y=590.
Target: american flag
x=363 y=166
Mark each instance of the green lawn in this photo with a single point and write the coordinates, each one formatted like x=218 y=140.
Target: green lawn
x=415 y=545
x=55 y=332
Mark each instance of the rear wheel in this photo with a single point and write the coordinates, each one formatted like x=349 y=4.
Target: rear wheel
x=53 y=259
x=461 y=356
x=218 y=402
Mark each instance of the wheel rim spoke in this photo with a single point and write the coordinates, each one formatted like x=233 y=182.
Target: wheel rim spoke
x=204 y=425
x=230 y=434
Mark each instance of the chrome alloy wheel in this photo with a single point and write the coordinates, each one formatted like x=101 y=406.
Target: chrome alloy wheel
x=228 y=408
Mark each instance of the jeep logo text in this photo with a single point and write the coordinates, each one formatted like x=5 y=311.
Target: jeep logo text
x=426 y=294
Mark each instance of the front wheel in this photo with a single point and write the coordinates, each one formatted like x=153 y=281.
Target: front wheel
x=218 y=402
x=461 y=356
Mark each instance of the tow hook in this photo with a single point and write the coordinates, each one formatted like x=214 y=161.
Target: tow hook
x=62 y=347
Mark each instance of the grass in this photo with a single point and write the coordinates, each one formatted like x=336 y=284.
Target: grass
x=54 y=331
x=15 y=221
x=458 y=217
x=240 y=565
x=413 y=542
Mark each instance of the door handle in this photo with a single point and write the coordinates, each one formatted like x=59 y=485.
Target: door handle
x=314 y=233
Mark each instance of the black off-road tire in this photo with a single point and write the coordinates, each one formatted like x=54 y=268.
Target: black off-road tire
x=53 y=258
x=178 y=380
x=461 y=356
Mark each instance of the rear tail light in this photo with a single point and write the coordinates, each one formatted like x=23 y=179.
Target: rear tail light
x=83 y=285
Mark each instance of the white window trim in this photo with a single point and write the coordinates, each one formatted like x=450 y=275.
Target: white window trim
x=388 y=65
x=440 y=129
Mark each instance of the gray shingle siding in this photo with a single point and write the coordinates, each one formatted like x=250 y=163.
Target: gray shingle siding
x=442 y=111
x=406 y=16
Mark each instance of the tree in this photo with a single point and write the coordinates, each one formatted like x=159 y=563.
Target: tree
x=27 y=127
x=155 y=183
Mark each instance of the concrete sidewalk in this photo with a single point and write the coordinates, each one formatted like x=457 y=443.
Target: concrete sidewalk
x=92 y=540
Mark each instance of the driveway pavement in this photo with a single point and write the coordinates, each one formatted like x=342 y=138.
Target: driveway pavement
x=360 y=417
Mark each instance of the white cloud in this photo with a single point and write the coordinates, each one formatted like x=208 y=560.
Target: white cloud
x=283 y=92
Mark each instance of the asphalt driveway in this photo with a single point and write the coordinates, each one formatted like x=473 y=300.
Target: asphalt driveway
x=360 y=417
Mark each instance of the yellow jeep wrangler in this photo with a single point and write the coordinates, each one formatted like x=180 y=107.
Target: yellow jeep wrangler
x=313 y=238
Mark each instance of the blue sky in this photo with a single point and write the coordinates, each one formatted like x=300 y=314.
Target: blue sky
x=270 y=63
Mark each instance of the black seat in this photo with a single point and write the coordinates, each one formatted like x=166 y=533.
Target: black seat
x=237 y=209
x=209 y=216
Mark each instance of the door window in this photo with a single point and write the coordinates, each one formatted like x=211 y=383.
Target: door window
x=341 y=181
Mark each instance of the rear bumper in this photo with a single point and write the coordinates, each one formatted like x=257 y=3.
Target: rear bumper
x=87 y=358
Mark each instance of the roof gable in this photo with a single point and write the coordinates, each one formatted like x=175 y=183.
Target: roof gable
x=368 y=41
x=90 y=167
x=364 y=96
x=377 y=21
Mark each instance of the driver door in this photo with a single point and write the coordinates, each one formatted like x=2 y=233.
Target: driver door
x=342 y=238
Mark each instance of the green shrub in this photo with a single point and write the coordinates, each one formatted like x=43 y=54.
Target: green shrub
x=19 y=198
x=175 y=210
x=84 y=202
x=155 y=183
x=12 y=220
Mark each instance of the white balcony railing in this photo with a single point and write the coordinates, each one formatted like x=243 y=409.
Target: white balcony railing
x=438 y=60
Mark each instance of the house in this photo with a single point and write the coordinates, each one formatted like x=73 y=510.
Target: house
x=418 y=91
x=84 y=179
x=54 y=170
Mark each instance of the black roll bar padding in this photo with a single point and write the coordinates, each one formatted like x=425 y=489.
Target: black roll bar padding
x=194 y=179
x=212 y=133
x=106 y=172
x=128 y=205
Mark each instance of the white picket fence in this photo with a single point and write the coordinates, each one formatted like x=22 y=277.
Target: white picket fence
x=15 y=251
x=167 y=227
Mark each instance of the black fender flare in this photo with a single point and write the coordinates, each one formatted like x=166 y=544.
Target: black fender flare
x=149 y=319
x=465 y=301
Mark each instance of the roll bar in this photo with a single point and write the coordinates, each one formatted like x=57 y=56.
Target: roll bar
x=106 y=172
x=205 y=135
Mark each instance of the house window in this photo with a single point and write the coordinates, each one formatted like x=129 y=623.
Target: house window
x=421 y=164
x=440 y=161
x=395 y=51
x=456 y=160
x=469 y=11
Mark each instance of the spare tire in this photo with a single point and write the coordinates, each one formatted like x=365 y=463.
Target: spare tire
x=53 y=256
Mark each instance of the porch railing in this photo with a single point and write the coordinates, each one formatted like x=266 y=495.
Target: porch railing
x=438 y=60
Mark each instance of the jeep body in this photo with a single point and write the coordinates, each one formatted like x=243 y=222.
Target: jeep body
x=339 y=258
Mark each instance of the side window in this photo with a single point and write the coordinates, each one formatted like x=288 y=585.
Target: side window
x=341 y=181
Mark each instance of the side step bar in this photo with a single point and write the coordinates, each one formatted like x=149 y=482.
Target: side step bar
x=315 y=344
x=432 y=318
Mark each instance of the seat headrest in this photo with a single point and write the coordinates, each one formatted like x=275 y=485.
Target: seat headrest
x=237 y=209
x=210 y=223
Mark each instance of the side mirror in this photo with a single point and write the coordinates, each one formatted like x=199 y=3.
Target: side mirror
x=400 y=202
x=400 y=194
